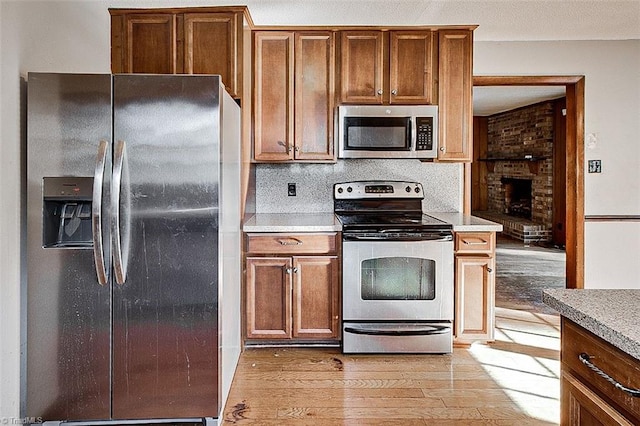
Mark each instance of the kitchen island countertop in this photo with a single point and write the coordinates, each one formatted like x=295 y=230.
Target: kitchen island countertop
x=609 y=314
x=292 y=222
x=467 y=223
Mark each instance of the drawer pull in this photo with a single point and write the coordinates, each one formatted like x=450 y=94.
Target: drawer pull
x=474 y=243
x=585 y=359
x=291 y=242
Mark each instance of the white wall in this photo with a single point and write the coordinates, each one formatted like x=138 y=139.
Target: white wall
x=73 y=36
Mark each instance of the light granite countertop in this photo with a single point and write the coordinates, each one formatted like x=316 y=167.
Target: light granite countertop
x=328 y=222
x=609 y=314
x=466 y=223
x=292 y=222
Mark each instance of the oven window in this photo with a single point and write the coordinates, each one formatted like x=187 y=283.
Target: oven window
x=375 y=133
x=398 y=278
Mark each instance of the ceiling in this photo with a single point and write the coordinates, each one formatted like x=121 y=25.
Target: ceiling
x=489 y=100
x=498 y=20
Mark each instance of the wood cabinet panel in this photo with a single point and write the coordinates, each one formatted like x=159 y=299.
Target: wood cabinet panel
x=455 y=95
x=583 y=407
x=284 y=243
x=316 y=297
x=268 y=298
x=150 y=44
x=475 y=242
x=474 y=295
x=412 y=56
x=362 y=66
x=273 y=96
x=314 y=95
x=210 y=44
x=294 y=96
x=201 y=40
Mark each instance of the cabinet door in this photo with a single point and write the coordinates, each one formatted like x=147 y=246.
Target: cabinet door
x=582 y=406
x=475 y=298
x=210 y=46
x=362 y=67
x=411 y=67
x=273 y=96
x=316 y=297
x=455 y=91
x=268 y=297
x=150 y=44
x=314 y=94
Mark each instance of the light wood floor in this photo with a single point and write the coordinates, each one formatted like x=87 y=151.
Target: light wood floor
x=513 y=381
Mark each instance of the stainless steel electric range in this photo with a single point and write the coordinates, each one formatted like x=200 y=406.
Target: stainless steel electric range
x=397 y=270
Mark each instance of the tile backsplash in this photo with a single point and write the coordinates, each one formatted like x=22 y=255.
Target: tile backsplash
x=442 y=183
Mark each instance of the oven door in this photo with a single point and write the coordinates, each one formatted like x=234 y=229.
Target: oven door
x=397 y=280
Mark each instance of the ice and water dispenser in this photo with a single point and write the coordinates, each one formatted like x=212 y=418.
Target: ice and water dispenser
x=67 y=212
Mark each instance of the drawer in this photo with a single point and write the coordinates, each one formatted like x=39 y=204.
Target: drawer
x=614 y=362
x=475 y=242
x=282 y=243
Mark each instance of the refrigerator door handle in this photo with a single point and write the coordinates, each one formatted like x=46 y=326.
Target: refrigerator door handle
x=96 y=210
x=119 y=264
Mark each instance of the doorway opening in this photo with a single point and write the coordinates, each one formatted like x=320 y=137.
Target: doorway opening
x=567 y=168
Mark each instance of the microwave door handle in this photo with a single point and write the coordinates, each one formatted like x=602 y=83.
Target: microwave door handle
x=413 y=128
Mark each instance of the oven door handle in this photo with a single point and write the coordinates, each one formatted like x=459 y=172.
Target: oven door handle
x=421 y=330
x=435 y=238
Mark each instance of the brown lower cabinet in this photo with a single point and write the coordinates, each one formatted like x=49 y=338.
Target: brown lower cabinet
x=292 y=287
x=474 y=287
x=587 y=398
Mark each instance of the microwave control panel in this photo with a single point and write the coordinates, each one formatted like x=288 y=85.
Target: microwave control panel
x=424 y=133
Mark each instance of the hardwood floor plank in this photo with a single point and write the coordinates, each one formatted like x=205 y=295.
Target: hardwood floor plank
x=239 y=393
x=345 y=400
x=382 y=413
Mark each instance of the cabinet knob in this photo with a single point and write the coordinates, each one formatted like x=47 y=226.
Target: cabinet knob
x=295 y=270
x=394 y=92
x=288 y=271
x=489 y=270
x=442 y=148
x=379 y=91
x=297 y=149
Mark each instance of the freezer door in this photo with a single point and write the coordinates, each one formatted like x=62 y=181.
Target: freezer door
x=68 y=310
x=165 y=342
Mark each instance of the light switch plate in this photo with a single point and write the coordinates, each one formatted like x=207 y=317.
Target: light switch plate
x=595 y=166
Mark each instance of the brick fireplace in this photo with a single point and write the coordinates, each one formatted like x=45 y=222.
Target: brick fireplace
x=519 y=171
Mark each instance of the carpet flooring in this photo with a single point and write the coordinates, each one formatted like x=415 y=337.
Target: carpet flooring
x=523 y=272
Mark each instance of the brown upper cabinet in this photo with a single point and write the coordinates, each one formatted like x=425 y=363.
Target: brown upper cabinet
x=455 y=106
x=293 y=84
x=388 y=67
x=176 y=41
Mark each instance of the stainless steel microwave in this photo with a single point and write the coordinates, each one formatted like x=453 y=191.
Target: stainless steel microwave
x=393 y=131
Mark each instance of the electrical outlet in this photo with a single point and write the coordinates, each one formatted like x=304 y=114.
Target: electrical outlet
x=291 y=189
x=595 y=166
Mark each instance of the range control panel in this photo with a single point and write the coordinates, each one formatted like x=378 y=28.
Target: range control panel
x=377 y=189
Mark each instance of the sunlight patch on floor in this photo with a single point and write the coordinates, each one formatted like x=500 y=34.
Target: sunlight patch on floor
x=525 y=361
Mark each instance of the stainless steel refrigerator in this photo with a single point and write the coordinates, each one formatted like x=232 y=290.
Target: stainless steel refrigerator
x=133 y=246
